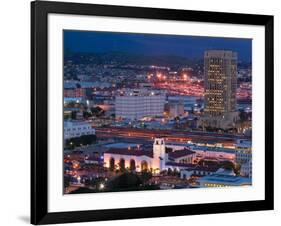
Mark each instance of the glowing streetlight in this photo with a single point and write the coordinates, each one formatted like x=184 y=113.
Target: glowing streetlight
x=101 y=187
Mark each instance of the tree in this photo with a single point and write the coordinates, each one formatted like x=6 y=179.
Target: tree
x=145 y=176
x=82 y=190
x=163 y=172
x=73 y=114
x=243 y=116
x=94 y=182
x=84 y=140
x=97 y=111
x=87 y=114
x=66 y=181
x=124 y=181
x=237 y=169
x=176 y=172
x=71 y=104
x=66 y=117
x=122 y=165
x=169 y=172
x=177 y=118
x=228 y=166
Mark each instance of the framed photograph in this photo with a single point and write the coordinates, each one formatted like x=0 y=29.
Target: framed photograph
x=144 y=112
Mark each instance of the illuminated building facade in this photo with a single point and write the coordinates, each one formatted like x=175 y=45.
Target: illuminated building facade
x=220 y=71
x=77 y=129
x=154 y=160
x=223 y=178
x=136 y=104
x=135 y=159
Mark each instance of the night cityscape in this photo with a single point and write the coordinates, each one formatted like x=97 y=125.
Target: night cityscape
x=151 y=112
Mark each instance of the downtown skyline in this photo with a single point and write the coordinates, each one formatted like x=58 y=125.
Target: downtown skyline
x=154 y=112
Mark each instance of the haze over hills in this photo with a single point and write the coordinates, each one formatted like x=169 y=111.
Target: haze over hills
x=191 y=47
x=122 y=58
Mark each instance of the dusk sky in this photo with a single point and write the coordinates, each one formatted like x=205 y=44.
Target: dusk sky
x=153 y=44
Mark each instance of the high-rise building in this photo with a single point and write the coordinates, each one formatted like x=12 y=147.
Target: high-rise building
x=137 y=103
x=220 y=71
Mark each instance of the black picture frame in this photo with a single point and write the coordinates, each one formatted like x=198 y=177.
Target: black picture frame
x=39 y=112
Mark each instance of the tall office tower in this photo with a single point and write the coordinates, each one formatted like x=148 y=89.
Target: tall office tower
x=220 y=71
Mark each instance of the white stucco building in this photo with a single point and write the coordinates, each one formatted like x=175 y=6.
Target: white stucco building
x=135 y=104
x=77 y=129
x=155 y=160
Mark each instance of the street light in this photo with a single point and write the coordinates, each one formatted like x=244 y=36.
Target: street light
x=101 y=186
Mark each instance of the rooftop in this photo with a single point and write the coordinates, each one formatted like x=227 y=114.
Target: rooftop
x=132 y=152
x=141 y=92
x=75 y=123
x=226 y=179
x=180 y=153
x=121 y=145
x=215 y=149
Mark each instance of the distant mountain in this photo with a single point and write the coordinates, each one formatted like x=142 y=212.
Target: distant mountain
x=122 y=58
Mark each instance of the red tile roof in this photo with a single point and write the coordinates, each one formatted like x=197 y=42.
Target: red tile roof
x=133 y=152
x=180 y=153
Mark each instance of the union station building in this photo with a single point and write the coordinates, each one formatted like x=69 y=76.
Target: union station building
x=155 y=159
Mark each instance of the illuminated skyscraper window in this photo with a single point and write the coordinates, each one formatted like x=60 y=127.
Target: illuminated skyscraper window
x=220 y=71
